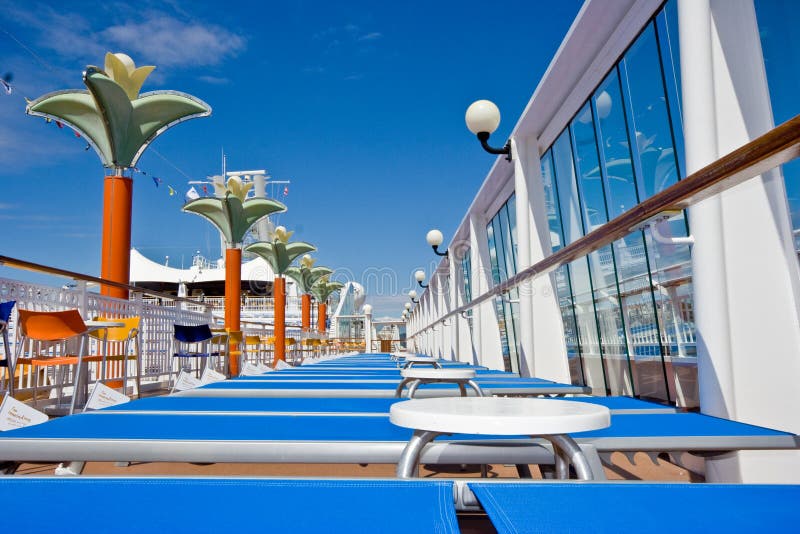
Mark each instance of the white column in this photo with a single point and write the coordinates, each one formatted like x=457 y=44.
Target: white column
x=368 y=327
x=452 y=296
x=442 y=283
x=540 y=337
x=487 y=346
x=746 y=310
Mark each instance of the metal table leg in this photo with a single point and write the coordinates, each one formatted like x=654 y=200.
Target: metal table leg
x=408 y=466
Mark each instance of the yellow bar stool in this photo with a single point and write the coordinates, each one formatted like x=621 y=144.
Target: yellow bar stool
x=119 y=344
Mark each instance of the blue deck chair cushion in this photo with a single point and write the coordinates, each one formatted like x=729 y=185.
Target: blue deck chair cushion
x=638 y=507
x=313 y=505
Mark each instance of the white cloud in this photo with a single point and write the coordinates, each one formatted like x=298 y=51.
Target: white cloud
x=370 y=36
x=169 y=42
x=156 y=37
x=214 y=80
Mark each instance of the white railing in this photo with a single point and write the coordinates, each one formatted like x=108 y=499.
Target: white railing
x=156 y=326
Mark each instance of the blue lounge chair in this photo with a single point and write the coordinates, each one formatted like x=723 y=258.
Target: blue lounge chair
x=335 y=505
x=352 y=438
x=401 y=506
x=638 y=507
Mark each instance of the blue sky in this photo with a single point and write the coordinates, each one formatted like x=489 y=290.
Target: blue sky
x=360 y=104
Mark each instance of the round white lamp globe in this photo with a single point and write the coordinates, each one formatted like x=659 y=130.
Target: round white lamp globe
x=434 y=238
x=419 y=276
x=482 y=116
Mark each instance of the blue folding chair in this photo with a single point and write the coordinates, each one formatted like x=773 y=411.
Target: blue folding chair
x=194 y=343
x=7 y=362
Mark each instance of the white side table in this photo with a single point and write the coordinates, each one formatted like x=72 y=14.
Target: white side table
x=416 y=377
x=421 y=360
x=504 y=416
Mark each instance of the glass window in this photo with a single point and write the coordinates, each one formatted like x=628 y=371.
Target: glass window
x=601 y=263
x=501 y=235
x=648 y=115
x=777 y=21
x=626 y=308
x=639 y=330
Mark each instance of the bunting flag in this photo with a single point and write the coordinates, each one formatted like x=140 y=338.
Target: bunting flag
x=191 y=194
x=286 y=190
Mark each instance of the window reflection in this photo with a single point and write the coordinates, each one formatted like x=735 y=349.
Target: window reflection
x=777 y=20
x=627 y=308
x=501 y=233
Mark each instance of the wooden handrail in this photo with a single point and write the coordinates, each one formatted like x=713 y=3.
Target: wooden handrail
x=776 y=147
x=45 y=269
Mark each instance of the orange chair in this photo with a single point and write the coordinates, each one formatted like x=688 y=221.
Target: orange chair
x=117 y=343
x=44 y=338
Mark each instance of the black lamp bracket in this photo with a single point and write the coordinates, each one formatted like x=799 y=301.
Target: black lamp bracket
x=483 y=137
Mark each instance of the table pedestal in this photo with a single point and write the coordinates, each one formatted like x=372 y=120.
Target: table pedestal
x=551 y=420
x=413 y=378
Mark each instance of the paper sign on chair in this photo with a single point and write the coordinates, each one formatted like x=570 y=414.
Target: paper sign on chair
x=210 y=376
x=186 y=381
x=251 y=369
x=103 y=396
x=16 y=414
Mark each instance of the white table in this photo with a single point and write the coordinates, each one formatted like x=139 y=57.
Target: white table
x=500 y=416
x=416 y=377
x=421 y=360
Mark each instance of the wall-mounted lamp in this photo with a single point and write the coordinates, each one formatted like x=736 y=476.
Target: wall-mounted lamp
x=413 y=296
x=408 y=307
x=420 y=277
x=434 y=239
x=483 y=118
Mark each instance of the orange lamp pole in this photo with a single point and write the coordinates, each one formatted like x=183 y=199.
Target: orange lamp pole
x=279 y=294
x=116 y=244
x=233 y=302
x=306 y=312
x=321 y=316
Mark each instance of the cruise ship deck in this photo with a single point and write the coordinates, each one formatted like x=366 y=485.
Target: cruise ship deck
x=612 y=327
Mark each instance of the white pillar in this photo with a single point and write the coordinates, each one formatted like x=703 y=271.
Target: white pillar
x=746 y=310
x=452 y=296
x=368 y=327
x=541 y=344
x=444 y=337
